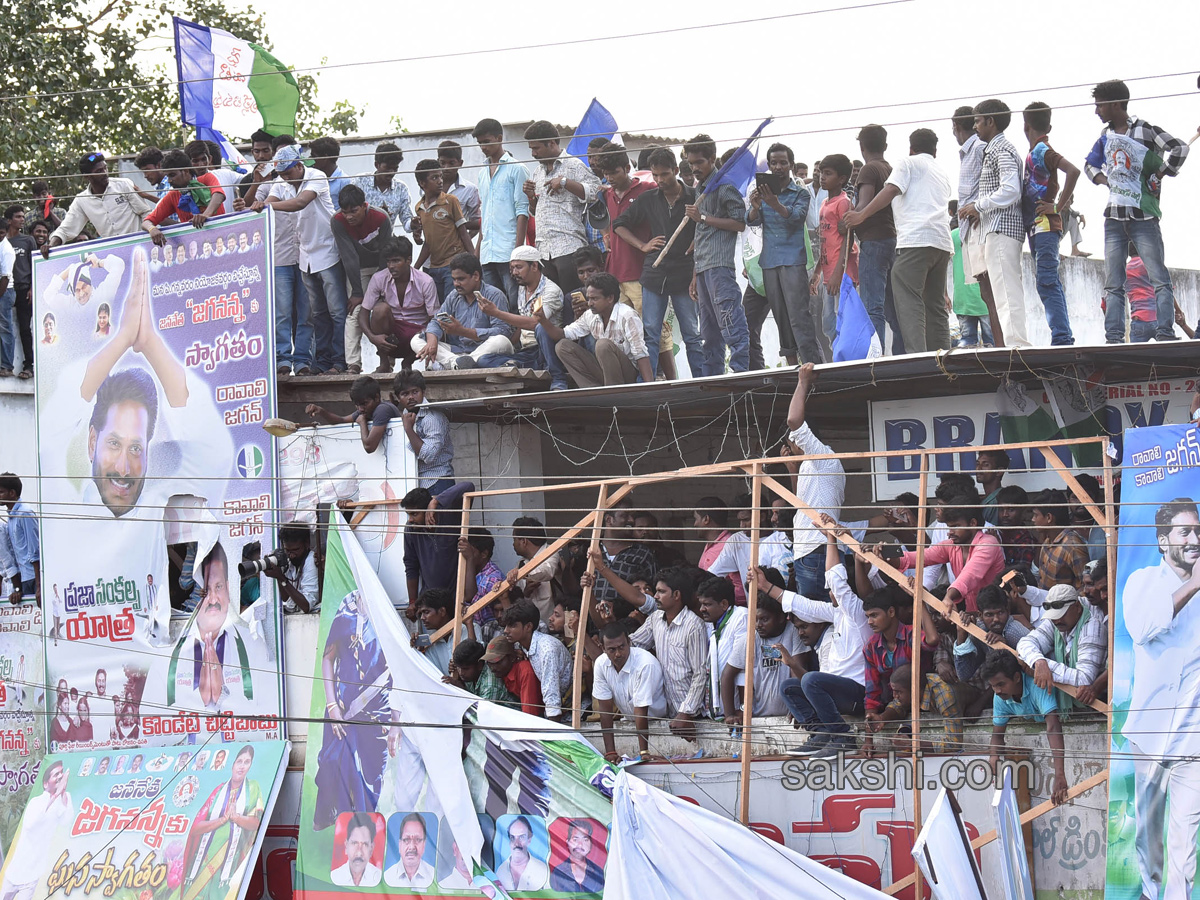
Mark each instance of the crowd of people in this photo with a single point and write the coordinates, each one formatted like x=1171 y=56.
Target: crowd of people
x=664 y=636
x=569 y=265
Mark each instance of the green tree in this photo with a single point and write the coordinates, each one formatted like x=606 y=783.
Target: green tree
x=74 y=50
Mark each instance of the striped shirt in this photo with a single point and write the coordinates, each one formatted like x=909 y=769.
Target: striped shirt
x=436 y=459
x=681 y=646
x=999 y=200
x=1090 y=640
x=970 y=165
x=552 y=664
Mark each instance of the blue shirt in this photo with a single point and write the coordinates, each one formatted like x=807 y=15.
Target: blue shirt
x=783 y=239
x=470 y=315
x=1035 y=704
x=501 y=200
x=337 y=181
x=23 y=536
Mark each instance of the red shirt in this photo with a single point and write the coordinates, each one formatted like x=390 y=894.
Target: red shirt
x=624 y=261
x=523 y=682
x=169 y=205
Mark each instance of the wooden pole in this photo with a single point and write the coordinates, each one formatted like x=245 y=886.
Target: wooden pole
x=917 y=633
x=460 y=589
x=1110 y=555
x=585 y=608
x=1072 y=482
x=751 y=618
x=662 y=254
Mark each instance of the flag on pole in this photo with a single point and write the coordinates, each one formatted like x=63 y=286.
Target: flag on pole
x=232 y=87
x=596 y=122
x=856 y=335
x=739 y=171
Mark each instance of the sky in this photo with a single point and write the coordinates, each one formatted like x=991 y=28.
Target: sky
x=928 y=56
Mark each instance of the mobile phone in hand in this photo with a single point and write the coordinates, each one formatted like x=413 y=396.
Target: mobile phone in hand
x=422 y=641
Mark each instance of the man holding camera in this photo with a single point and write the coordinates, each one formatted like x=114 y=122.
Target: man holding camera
x=295 y=569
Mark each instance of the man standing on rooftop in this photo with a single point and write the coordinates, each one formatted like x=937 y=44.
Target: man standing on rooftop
x=1130 y=157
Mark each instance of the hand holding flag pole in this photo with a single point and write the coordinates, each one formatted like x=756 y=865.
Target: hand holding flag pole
x=737 y=171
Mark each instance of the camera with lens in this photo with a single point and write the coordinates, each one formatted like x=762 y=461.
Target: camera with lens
x=275 y=560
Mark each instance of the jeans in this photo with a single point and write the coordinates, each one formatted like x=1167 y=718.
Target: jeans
x=24 y=311
x=293 y=347
x=498 y=276
x=541 y=356
x=810 y=575
x=327 y=295
x=654 y=310
x=970 y=327
x=1140 y=332
x=820 y=698
x=1044 y=247
x=1146 y=236
x=441 y=280
x=790 y=284
x=722 y=321
x=874 y=268
x=8 y=329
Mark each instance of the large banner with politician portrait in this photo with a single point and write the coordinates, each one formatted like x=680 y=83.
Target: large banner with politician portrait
x=1154 y=776
x=155 y=372
x=414 y=786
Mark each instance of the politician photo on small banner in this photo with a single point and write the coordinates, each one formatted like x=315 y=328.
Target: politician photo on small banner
x=150 y=403
x=1155 y=770
x=359 y=840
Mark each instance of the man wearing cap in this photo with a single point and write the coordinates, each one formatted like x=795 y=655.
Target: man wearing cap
x=517 y=674
x=1161 y=611
x=535 y=348
x=1069 y=645
x=320 y=264
x=113 y=206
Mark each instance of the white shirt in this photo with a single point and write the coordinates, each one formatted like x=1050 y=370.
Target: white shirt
x=397 y=877
x=720 y=650
x=775 y=552
x=734 y=558
x=119 y=210
x=768 y=673
x=370 y=877
x=306 y=581
x=639 y=683
x=624 y=329
x=8 y=256
x=920 y=211
x=106 y=278
x=821 y=483
x=229 y=180
x=27 y=860
x=1166 y=658
x=533 y=878
x=840 y=650
x=287 y=232
x=318 y=249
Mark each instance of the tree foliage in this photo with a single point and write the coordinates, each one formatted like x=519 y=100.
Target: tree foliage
x=76 y=50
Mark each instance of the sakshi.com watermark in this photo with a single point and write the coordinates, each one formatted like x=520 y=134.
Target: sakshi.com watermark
x=898 y=772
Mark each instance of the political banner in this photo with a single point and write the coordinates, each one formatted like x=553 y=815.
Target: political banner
x=413 y=785
x=1059 y=407
x=22 y=711
x=155 y=372
x=168 y=823
x=1154 y=774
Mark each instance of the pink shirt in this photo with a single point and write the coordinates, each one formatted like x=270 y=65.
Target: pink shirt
x=420 y=303
x=833 y=242
x=972 y=566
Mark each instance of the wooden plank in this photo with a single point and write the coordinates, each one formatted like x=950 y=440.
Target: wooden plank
x=745 y=464
x=916 y=589
x=917 y=681
x=460 y=589
x=1072 y=482
x=1040 y=810
x=751 y=618
x=585 y=607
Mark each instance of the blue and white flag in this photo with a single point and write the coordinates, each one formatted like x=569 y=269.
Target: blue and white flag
x=596 y=122
x=856 y=335
x=739 y=170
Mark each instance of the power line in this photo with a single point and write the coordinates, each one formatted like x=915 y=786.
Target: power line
x=521 y=48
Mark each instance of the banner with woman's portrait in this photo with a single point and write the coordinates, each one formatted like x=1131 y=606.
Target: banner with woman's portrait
x=156 y=370
x=168 y=823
